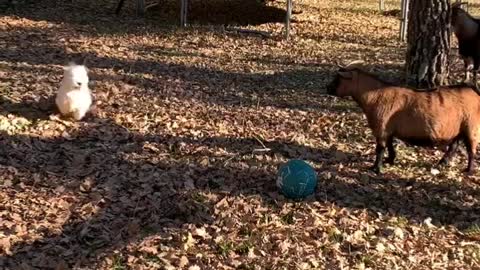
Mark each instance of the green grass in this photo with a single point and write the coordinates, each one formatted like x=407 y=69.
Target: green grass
x=288 y=218
x=224 y=248
x=118 y=262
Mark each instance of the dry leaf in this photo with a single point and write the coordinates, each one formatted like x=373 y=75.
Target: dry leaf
x=5 y=245
x=183 y=262
x=188 y=241
x=380 y=247
x=87 y=184
x=399 y=233
x=171 y=145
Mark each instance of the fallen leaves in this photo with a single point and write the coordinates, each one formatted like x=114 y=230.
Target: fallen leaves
x=87 y=184
x=188 y=241
x=167 y=172
x=5 y=245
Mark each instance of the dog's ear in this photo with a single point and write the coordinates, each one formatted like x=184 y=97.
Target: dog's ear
x=68 y=65
x=84 y=63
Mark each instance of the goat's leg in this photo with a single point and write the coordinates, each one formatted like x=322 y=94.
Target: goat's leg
x=475 y=69
x=471 y=144
x=467 y=65
x=452 y=148
x=119 y=7
x=379 y=151
x=476 y=65
x=474 y=83
x=391 y=151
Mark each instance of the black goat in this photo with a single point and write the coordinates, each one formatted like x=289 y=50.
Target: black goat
x=467 y=31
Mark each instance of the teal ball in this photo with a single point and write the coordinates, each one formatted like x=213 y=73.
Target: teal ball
x=297 y=179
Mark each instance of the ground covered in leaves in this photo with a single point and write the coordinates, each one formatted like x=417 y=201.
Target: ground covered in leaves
x=166 y=173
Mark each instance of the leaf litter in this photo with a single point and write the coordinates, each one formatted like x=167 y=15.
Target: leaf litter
x=167 y=171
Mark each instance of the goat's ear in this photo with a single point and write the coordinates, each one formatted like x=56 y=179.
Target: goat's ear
x=345 y=74
x=458 y=4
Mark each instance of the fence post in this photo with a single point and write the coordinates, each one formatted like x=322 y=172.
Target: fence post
x=404 y=20
x=140 y=8
x=183 y=13
x=381 y=5
x=288 y=17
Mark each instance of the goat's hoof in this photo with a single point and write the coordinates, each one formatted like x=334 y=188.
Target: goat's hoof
x=390 y=161
x=443 y=163
x=468 y=171
x=375 y=169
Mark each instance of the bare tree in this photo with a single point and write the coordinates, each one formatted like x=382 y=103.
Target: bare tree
x=428 y=39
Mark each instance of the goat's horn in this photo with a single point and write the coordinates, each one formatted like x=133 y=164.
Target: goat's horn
x=458 y=4
x=354 y=63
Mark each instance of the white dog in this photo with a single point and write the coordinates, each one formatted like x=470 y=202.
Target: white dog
x=74 y=96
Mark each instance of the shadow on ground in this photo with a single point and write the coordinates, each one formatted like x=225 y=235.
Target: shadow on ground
x=111 y=186
x=111 y=178
x=292 y=88
x=219 y=12
x=121 y=186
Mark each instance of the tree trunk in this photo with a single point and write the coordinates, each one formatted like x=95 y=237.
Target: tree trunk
x=428 y=39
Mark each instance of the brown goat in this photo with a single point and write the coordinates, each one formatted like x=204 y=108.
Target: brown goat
x=435 y=117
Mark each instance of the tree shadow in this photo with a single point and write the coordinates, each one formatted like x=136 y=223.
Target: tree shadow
x=299 y=88
x=224 y=12
x=396 y=13
x=302 y=87
x=83 y=13
x=30 y=109
x=356 y=38
x=110 y=186
x=446 y=203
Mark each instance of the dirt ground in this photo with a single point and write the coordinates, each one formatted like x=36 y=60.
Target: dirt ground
x=163 y=174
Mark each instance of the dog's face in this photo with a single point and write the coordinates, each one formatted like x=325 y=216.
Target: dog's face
x=77 y=75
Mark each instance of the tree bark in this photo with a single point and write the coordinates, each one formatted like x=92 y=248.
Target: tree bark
x=428 y=38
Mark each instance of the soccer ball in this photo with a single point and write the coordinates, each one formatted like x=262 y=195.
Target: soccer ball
x=297 y=179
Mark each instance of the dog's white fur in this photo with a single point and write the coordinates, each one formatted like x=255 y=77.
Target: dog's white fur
x=74 y=97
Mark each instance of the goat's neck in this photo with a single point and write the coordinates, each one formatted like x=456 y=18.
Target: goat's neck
x=466 y=30
x=366 y=93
